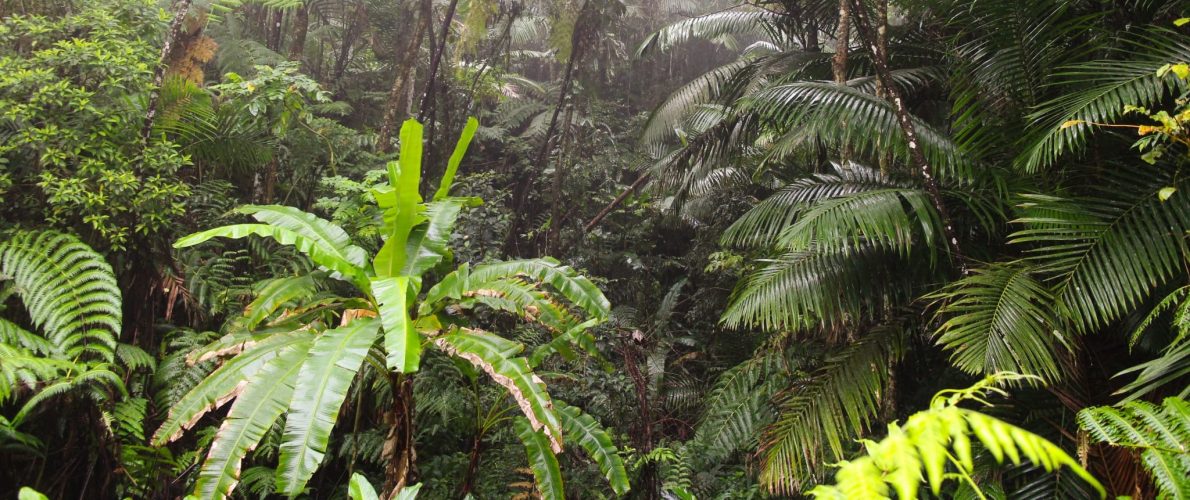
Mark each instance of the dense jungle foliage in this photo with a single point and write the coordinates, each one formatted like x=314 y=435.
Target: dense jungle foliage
x=654 y=249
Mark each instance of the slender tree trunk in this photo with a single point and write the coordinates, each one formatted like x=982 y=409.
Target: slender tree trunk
x=556 y=203
x=403 y=82
x=175 y=27
x=881 y=92
x=839 y=62
x=301 y=25
x=522 y=190
x=358 y=19
x=640 y=181
x=842 y=40
x=880 y=60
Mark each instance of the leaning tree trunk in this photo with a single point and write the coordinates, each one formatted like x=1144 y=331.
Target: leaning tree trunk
x=175 y=26
x=407 y=61
x=880 y=60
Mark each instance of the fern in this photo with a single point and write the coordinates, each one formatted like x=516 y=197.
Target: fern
x=68 y=289
x=930 y=441
x=1160 y=433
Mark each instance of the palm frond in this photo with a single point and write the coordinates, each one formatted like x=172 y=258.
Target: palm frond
x=1000 y=318
x=822 y=411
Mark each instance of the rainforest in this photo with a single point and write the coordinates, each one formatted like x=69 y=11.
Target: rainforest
x=594 y=249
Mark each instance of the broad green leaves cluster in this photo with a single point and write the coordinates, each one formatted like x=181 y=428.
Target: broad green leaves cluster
x=290 y=360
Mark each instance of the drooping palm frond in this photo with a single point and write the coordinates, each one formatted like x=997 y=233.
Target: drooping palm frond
x=542 y=460
x=760 y=226
x=739 y=407
x=1102 y=90
x=68 y=289
x=867 y=124
x=711 y=26
x=1107 y=251
x=812 y=288
x=1000 y=318
x=824 y=410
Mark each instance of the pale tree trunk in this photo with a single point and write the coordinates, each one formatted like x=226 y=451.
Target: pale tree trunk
x=839 y=63
x=301 y=25
x=398 y=99
x=904 y=120
x=175 y=27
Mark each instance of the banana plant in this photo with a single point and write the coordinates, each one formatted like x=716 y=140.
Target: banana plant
x=297 y=349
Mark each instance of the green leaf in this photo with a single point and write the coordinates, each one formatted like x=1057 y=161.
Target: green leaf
x=407 y=493
x=543 y=462
x=426 y=245
x=223 y=384
x=455 y=158
x=360 y=488
x=319 y=253
x=28 y=493
x=324 y=232
x=1000 y=318
x=402 y=344
x=582 y=428
x=493 y=355
x=274 y=294
x=68 y=289
x=322 y=386
x=265 y=398
x=576 y=288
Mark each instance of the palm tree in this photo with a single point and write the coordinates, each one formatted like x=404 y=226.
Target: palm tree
x=852 y=245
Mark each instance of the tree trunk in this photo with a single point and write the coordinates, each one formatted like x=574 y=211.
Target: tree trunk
x=353 y=29
x=842 y=39
x=175 y=26
x=403 y=82
x=880 y=60
x=275 y=30
x=521 y=191
x=301 y=24
x=555 y=233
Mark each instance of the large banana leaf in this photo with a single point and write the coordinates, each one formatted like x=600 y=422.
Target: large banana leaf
x=583 y=429
x=318 y=252
x=492 y=354
x=276 y=293
x=456 y=157
x=401 y=341
x=427 y=242
x=401 y=202
x=265 y=398
x=322 y=386
x=578 y=289
x=311 y=226
x=542 y=460
x=222 y=385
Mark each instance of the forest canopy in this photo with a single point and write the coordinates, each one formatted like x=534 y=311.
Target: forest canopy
x=654 y=249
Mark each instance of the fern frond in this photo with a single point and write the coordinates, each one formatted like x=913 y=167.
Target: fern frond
x=1160 y=433
x=68 y=289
